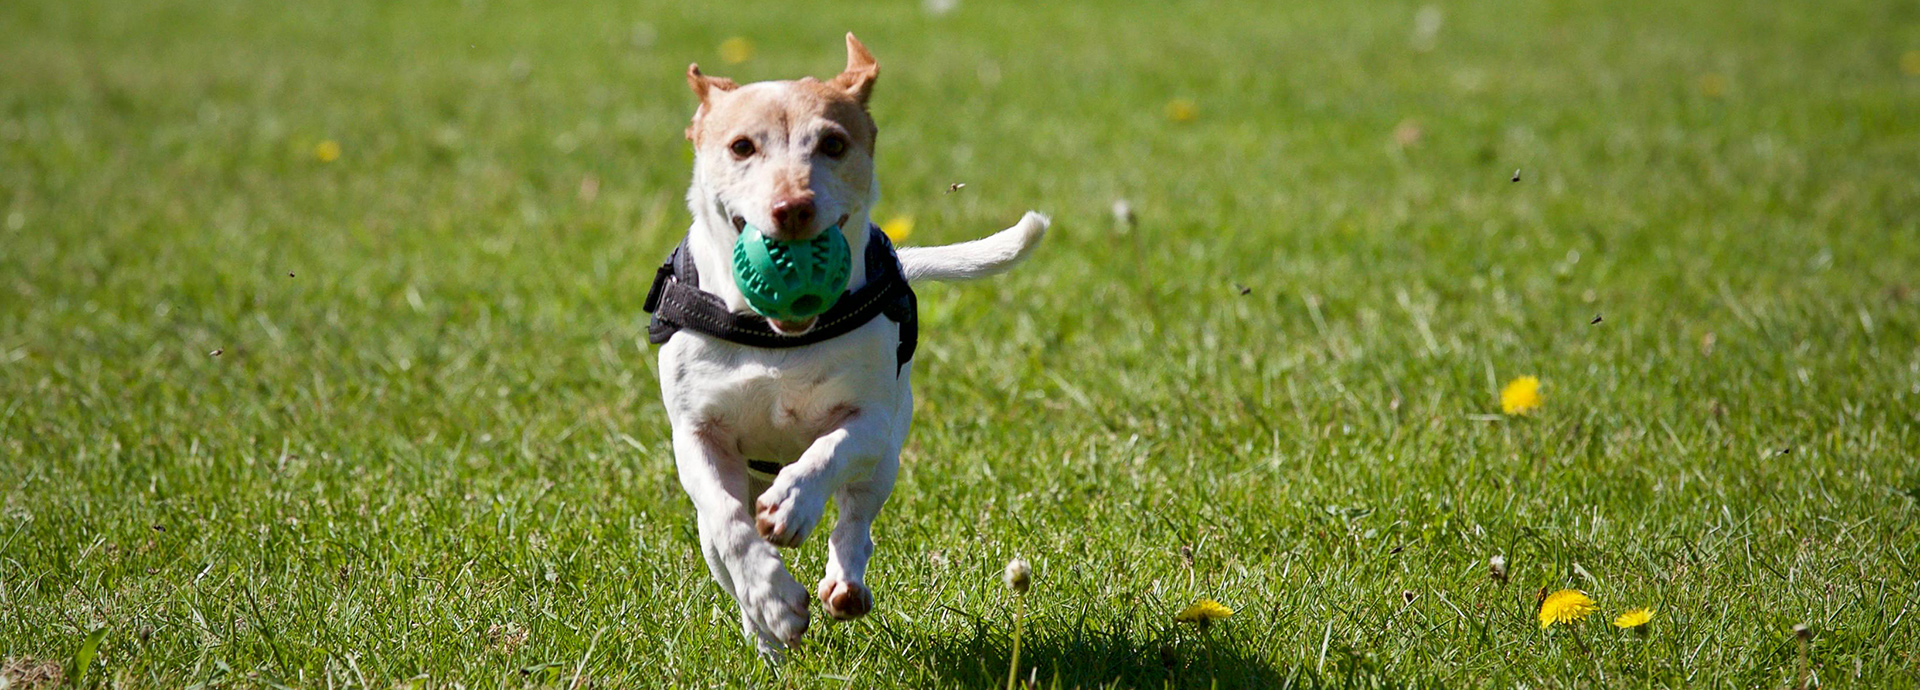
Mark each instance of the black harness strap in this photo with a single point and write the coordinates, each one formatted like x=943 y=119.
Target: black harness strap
x=766 y=467
x=677 y=302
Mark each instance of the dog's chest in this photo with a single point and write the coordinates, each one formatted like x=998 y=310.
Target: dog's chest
x=771 y=410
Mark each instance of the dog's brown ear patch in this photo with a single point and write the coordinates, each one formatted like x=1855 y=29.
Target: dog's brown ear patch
x=857 y=79
x=703 y=86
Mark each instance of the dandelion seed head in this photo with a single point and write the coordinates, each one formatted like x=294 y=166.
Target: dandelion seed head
x=1407 y=133
x=1123 y=212
x=1019 y=575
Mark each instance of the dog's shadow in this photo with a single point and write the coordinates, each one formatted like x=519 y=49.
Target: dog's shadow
x=1098 y=657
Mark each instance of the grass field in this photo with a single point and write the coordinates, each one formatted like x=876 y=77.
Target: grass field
x=322 y=360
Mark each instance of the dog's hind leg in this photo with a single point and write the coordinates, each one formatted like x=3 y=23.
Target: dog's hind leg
x=773 y=607
x=843 y=589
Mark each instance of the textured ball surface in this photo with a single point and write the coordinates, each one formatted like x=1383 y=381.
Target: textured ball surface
x=791 y=281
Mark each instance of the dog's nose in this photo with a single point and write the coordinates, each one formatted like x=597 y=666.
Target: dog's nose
x=793 y=216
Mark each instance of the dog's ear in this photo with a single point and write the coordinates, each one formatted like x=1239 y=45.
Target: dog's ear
x=703 y=86
x=857 y=79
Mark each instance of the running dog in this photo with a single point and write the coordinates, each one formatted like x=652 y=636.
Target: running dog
x=771 y=418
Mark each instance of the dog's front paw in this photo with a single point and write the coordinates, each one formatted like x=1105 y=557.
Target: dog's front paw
x=774 y=611
x=785 y=515
x=845 y=600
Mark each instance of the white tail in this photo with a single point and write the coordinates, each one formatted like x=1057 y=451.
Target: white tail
x=976 y=259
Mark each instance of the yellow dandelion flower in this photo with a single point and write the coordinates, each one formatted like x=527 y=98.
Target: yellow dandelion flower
x=736 y=50
x=1520 y=396
x=1713 y=85
x=326 y=151
x=898 y=227
x=1203 y=612
x=1565 y=606
x=1910 y=63
x=1182 y=110
x=1633 y=618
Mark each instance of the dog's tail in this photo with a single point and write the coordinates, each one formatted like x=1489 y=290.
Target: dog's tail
x=976 y=259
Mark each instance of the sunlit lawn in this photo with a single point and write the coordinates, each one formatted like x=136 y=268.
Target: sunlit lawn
x=322 y=360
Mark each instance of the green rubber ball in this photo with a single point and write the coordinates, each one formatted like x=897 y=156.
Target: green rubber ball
x=791 y=281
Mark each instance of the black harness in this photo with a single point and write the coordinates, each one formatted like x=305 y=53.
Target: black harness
x=677 y=302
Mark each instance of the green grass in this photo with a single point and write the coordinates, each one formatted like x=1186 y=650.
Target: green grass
x=435 y=412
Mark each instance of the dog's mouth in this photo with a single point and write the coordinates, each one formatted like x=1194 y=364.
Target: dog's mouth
x=793 y=327
x=740 y=223
x=790 y=328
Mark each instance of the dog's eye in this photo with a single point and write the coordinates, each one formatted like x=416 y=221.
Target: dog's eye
x=833 y=145
x=741 y=147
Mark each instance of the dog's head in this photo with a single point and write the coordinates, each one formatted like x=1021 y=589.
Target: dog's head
x=791 y=158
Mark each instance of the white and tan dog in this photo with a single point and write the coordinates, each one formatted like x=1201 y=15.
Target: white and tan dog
x=796 y=158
